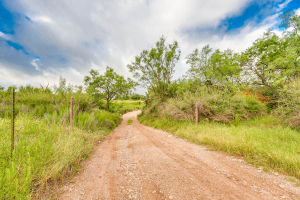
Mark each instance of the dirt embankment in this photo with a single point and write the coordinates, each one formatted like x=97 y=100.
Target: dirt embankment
x=139 y=162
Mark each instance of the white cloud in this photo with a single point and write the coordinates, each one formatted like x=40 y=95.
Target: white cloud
x=33 y=63
x=297 y=12
x=283 y=5
x=4 y=36
x=44 y=19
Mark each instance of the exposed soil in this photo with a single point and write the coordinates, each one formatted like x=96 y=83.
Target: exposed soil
x=139 y=162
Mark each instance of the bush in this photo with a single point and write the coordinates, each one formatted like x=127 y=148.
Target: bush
x=213 y=104
x=289 y=104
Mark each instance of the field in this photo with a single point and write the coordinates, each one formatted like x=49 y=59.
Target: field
x=124 y=106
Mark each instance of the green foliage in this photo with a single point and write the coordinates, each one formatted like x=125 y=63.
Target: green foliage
x=124 y=106
x=290 y=20
x=96 y=119
x=217 y=68
x=107 y=86
x=289 y=104
x=214 y=104
x=154 y=68
x=268 y=65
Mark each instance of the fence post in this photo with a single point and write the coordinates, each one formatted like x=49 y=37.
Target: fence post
x=196 y=113
x=78 y=110
x=71 y=111
x=12 y=120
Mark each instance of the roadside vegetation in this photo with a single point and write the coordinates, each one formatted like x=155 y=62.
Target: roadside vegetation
x=248 y=102
x=47 y=148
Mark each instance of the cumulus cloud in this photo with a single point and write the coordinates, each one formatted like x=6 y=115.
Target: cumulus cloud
x=71 y=37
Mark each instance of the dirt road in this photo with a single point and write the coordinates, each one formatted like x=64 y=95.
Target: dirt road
x=139 y=162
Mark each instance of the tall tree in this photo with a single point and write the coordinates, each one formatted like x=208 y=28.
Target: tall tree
x=257 y=61
x=199 y=62
x=154 y=68
x=214 y=67
x=107 y=86
x=290 y=20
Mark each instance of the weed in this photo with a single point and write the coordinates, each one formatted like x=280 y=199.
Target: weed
x=129 y=122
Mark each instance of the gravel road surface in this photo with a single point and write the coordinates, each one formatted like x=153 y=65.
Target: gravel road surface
x=139 y=162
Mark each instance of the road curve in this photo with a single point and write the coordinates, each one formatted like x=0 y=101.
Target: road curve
x=139 y=162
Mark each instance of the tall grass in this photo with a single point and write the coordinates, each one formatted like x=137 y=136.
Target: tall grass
x=262 y=141
x=47 y=150
x=47 y=147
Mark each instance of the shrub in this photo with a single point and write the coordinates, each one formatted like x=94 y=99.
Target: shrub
x=289 y=104
x=213 y=104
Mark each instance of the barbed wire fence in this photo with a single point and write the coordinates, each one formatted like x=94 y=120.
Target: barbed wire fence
x=13 y=126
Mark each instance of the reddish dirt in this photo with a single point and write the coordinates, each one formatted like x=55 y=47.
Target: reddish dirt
x=139 y=162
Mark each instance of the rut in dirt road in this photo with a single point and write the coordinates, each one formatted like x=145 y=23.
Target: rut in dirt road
x=139 y=162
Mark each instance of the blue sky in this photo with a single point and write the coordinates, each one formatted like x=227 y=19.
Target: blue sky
x=41 y=40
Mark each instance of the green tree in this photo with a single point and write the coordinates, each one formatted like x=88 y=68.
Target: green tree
x=154 y=68
x=214 y=67
x=107 y=86
x=290 y=20
x=258 y=60
x=199 y=62
x=289 y=60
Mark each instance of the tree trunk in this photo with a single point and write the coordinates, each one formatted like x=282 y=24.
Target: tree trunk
x=107 y=103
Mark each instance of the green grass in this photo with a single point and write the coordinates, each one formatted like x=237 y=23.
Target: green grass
x=47 y=149
x=129 y=122
x=124 y=106
x=261 y=141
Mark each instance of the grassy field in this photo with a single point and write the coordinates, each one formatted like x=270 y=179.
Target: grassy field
x=262 y=141
x=47 y=148
x=124 y=106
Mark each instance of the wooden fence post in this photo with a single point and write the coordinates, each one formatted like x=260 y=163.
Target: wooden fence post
x=71 y=112
x=196 y=113
x=12 y=120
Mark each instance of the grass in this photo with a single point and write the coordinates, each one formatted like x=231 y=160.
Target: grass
x=262 y=141
x=129 y=122
x=293 y=179
x=124 y=106
x=48 y=149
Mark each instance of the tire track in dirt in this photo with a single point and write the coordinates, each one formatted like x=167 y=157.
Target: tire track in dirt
x=139 y=162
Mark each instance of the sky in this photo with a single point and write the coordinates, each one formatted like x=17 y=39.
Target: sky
x=42 y=40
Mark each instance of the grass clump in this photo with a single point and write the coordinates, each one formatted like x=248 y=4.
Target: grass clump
x=129 y=122
x=274 y=147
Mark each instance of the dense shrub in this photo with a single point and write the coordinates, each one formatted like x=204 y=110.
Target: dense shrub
x=213 y=104
x=289 y=104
